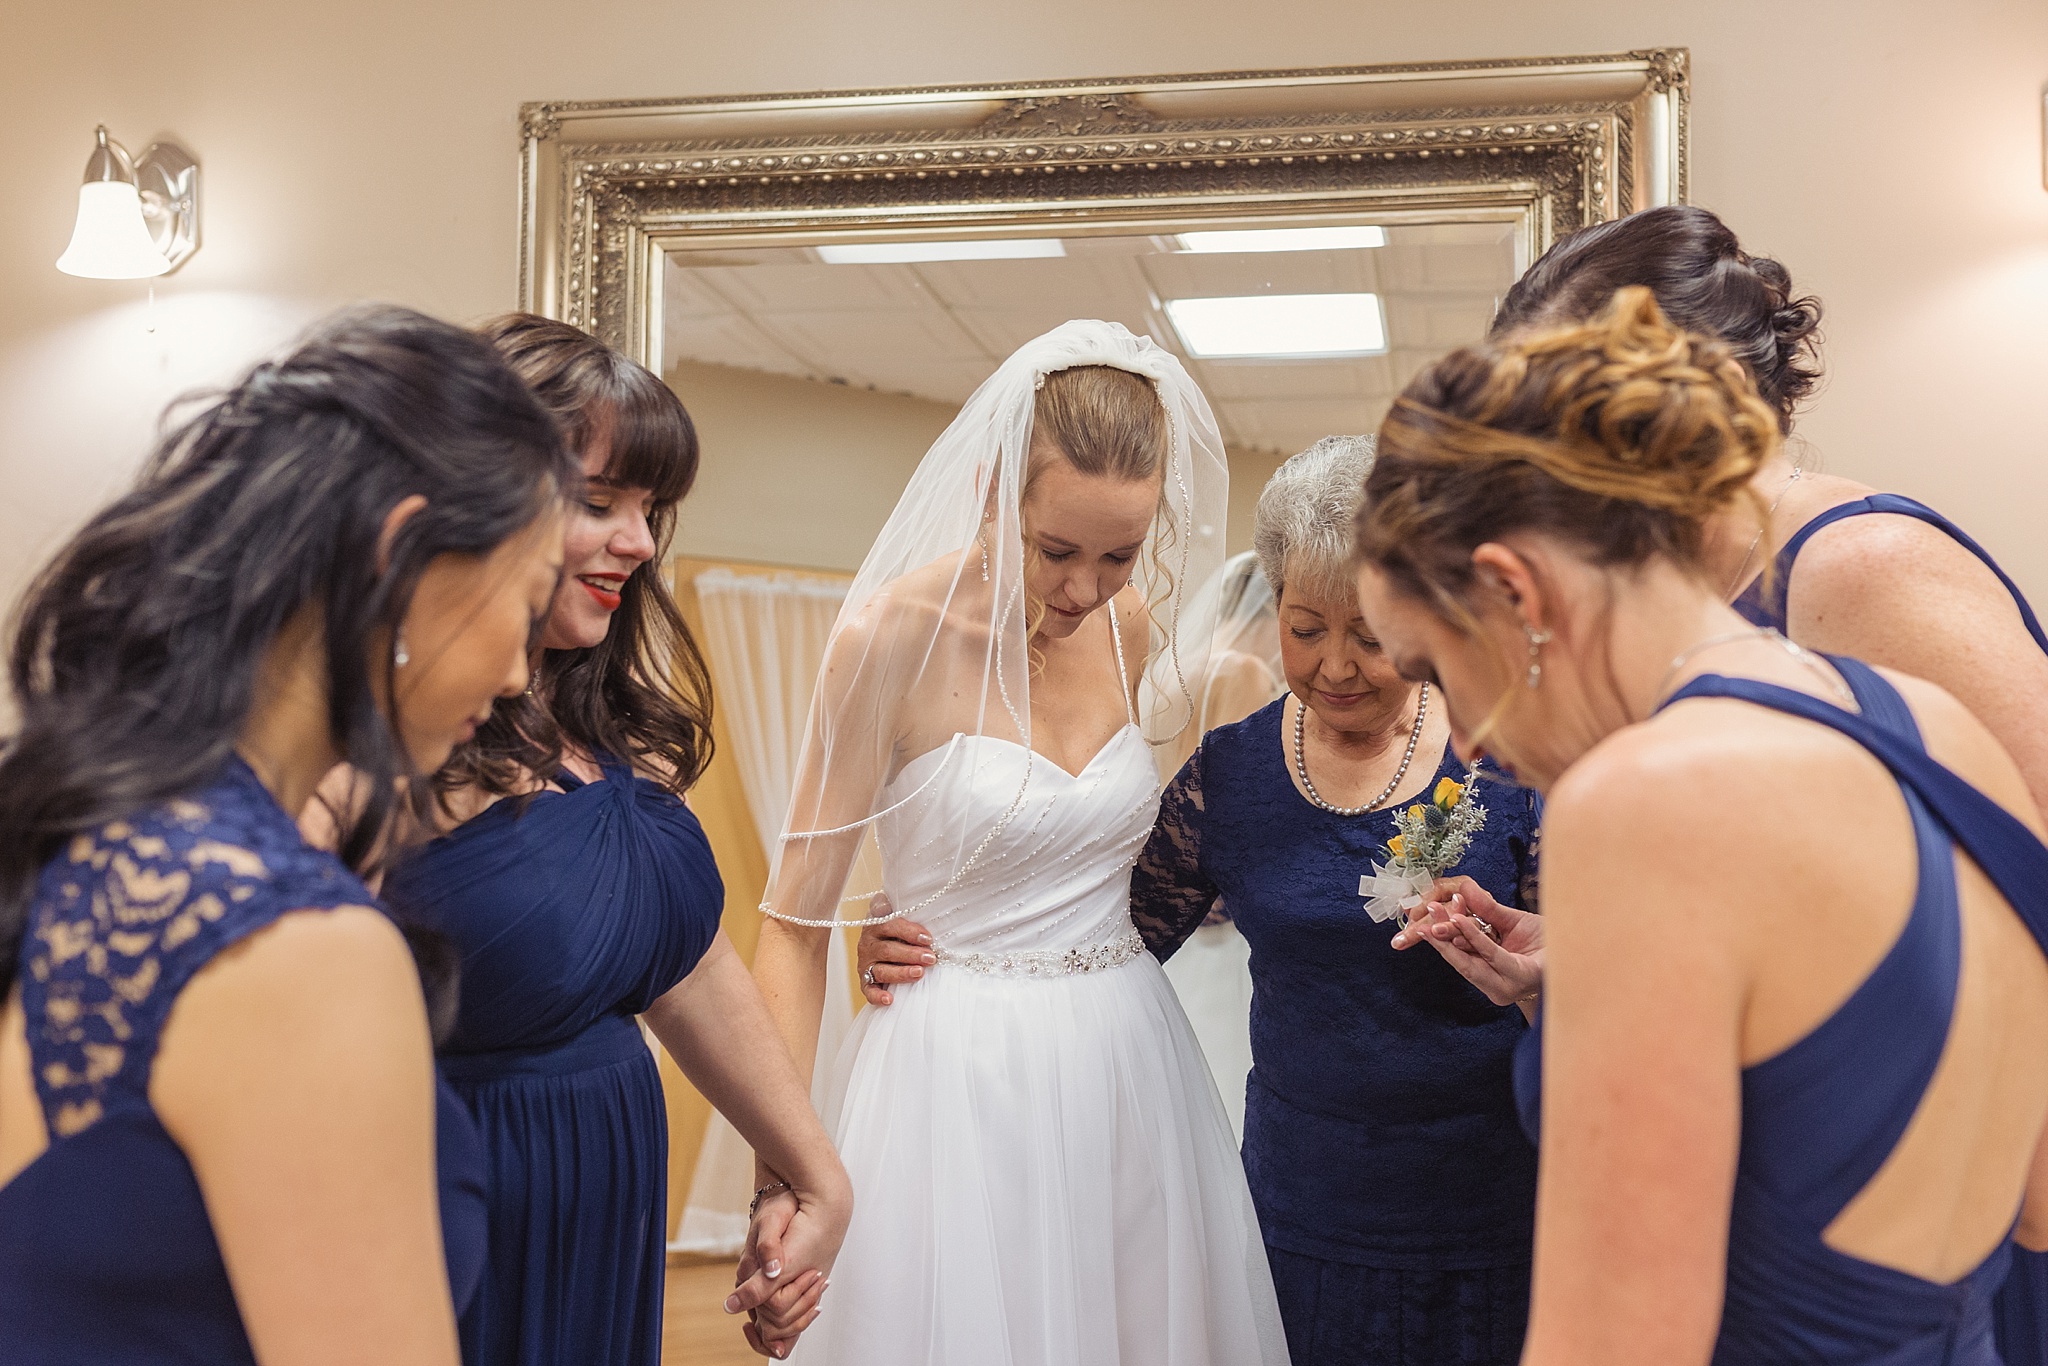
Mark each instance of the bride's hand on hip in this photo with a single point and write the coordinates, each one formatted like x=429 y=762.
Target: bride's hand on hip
x=891 y=954
x=1494 y=947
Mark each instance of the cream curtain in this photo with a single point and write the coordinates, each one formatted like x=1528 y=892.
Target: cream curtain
x=764 y=638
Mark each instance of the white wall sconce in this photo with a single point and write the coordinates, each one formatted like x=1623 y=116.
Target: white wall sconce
x=136 y=219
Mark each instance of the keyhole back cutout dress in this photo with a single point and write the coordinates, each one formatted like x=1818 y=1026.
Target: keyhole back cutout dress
x=1820 y=1118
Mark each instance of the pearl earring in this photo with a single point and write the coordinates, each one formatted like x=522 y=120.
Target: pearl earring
x=399 y=657
x=1537 y=640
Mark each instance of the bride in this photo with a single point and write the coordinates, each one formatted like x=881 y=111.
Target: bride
x=1043 y=1172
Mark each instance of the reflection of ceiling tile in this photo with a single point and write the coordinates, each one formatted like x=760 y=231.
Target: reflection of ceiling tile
x=1188 y=276
x=938 y=329
x=1357 y=378
x=1054 y=285
x=816 y=288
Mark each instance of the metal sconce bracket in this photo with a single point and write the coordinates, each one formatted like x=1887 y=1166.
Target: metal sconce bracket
x=168 y=179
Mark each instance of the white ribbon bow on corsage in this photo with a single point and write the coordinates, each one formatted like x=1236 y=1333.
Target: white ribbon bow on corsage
x=1394 y=891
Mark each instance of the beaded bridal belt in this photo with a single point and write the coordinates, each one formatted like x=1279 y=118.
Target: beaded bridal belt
x=1049 y=962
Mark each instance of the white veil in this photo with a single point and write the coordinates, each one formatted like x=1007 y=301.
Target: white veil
x=1236 y=614
x=933 y=642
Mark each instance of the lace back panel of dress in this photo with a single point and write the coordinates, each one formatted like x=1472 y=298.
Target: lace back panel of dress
x=115 y=916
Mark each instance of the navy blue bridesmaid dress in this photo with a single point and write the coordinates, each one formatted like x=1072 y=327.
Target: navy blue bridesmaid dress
x=573 y=911
x=1821 y=1117
x=106 y=1251
x=2020 y=1312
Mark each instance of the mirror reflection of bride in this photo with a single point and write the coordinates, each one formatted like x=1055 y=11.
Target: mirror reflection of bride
x=1043 y=1172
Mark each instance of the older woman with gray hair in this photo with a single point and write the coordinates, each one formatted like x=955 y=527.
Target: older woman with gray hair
x=1394 y=1187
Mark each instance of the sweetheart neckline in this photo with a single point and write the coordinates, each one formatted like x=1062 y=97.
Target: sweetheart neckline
x=958 y=736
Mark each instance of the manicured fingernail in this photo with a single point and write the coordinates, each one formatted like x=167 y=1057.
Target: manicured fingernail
x=732 y=1304
x=916 y=973
x=924 y=939
x=774 y=1269
x=927 y=959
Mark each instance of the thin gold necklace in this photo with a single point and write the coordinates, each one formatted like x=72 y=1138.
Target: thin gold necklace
x=1758 y=539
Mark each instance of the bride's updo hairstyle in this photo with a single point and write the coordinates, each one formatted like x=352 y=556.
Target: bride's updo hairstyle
x=1620 y=436
x=1703 y=280
x=1105 y=421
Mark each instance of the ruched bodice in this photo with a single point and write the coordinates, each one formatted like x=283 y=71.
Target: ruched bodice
x=1820 y=1117
x=567 y=906
x=1046 y=854
x=574 y=911
x=107 y=1253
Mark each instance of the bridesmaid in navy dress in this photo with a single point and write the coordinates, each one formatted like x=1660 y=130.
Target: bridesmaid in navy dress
x=1368 y=1066
x=219 y=1124
x=581 y=894
x=1853 y=571
x=1784 y=1118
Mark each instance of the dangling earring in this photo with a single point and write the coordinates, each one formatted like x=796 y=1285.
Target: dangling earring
x=1537 y=640
x=399 y=657
x=981 y=539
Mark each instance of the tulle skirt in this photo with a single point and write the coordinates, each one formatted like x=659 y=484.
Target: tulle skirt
x=1043 y=1176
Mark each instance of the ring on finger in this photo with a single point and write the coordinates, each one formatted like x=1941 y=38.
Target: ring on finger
x=867 y=976
x=1489 y=931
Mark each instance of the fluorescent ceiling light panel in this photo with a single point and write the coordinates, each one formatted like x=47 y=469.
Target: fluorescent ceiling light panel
x=894 y=253
x=1285 y=239
x=1280 y=325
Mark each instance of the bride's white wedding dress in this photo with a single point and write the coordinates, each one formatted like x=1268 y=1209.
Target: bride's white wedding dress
x=1043 y=1172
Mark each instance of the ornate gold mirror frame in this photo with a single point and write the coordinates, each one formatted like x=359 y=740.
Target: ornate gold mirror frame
x=1550 y=144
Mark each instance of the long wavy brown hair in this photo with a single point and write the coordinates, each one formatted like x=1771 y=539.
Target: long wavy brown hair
x=642 y=695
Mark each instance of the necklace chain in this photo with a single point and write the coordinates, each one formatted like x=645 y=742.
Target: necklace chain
x=1758 y=539
x=1791 y=647
x=1393 y=785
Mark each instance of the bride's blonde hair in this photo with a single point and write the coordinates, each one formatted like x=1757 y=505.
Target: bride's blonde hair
x=1103 y=421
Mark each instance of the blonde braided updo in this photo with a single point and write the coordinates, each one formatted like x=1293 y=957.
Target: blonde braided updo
x=1622 y=435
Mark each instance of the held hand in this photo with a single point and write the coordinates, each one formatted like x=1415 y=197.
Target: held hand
x=1507 y=964
x=891 y=954
x=785 y=1270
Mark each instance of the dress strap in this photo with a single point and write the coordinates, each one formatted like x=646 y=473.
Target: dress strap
x=1999 y=842
x=1774 y=603
x=1123 y=673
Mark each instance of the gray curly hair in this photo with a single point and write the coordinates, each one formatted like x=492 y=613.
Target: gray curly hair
x=1302 y=531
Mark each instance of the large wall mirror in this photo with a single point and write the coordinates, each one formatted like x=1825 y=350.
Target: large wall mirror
x=854 y=263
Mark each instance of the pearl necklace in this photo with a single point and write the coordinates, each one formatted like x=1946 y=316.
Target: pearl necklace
x=1393 y=785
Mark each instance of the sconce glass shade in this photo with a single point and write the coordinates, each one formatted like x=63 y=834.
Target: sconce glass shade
x=136 y=218
x=110 y=241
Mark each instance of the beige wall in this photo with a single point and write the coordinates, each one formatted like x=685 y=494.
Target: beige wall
x=795 y=472
x=368 y=150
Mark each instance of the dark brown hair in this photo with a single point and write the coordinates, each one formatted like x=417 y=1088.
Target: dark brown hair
x=138 y=651
x=1621 y=435
x=643 y=694
x=1704 y=282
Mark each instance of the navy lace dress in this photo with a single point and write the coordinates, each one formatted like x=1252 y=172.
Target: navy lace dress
x=106 y=1251
x=1370 y=1067
x=1820 y=1117
x=2020 y=1313
x=574 y=911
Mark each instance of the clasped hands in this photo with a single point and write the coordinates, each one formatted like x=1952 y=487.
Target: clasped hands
x=783 y=1271
x=1494 y=947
